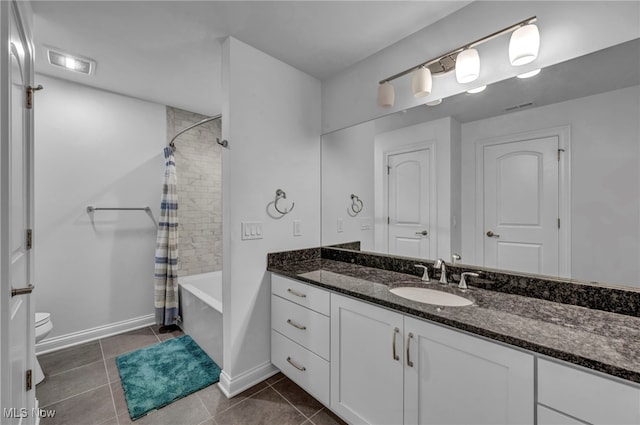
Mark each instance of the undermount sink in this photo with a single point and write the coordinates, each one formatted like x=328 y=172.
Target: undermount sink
x=430 y=296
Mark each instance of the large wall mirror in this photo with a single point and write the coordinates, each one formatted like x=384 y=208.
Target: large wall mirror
x=538 y=175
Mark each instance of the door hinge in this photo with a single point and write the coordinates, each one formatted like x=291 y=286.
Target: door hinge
x=558 y=223
x=29 y=379
x=30 y=91
x=388 y=220
x=388 y=169
x=559 y=150
x=29 y=241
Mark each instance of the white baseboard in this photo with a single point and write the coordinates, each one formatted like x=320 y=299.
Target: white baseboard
x=232 y=386
x=75 y=338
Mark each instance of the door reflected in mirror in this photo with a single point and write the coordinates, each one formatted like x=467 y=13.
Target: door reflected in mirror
x=537 y=175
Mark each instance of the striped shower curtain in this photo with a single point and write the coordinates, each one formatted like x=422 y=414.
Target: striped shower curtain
x=166 y=267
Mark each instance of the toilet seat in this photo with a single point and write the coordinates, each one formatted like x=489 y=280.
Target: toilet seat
x=42 y=318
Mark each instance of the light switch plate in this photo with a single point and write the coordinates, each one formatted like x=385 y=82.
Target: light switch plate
x=251 y=230
x=366 y=223
x=339 y=228
x=297 y=227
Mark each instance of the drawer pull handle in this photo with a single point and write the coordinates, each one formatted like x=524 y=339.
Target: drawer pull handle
x=297 y=294
x=409 y=338
x=300 y=368
x=295 y=325
x=393 y=344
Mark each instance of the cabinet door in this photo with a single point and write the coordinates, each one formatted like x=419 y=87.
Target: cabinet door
x=366 y=370
x=460 y=379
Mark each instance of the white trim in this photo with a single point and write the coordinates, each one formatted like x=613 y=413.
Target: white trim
x=232 y=386
x=563 y=133
x=75 y=338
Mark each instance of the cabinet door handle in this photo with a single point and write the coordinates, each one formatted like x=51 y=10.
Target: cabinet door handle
x=409 y=338
x=295 y=325
x=297 y=294
x=393 y=345
x=300 y=368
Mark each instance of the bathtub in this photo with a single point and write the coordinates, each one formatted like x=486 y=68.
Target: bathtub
x=201 y=311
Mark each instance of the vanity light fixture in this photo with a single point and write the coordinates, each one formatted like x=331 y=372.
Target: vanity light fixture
x=421 y=82
x=524 y=45
x=467 y=66
x=434 y=102
x=386 y=95
x=477 y=90
x=529 y=74
x=523 y=48
x=71 y=62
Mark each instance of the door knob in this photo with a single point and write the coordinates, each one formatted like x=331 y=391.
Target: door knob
x=492 y=235
x=423 y=233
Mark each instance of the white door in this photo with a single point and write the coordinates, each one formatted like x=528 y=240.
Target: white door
x=409 y=204
x=366 y=362
x=453 y=378
x=16 y=316
x=521 y=206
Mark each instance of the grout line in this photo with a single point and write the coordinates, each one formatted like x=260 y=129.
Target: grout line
x=203 y=406
x=75 y=395
x=106 y=370
x=242 y=401
x=316 y=414
x=275 y=382
x=73 y=368
x=292 y=405
x=155 y=334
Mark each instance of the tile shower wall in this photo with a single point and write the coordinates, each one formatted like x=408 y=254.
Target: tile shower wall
x=199 y=166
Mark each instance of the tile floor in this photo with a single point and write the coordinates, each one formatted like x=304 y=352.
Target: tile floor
x=83 y=387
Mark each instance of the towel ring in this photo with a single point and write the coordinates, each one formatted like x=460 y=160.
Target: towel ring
x=356 y=206
x=280 y=194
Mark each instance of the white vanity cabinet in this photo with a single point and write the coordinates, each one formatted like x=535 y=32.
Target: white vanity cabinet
x=300 y=334
x=583 y=396
x=376 y=366
x=387 y=368
x=367 y=360
x=454 y=378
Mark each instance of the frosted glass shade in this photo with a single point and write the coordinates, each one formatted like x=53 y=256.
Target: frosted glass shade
x=386 y=95
x=421 y=82
x=467 y=66
x=524 y=45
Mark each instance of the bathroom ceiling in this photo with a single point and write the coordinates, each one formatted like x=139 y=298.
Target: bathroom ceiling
x=169 y=52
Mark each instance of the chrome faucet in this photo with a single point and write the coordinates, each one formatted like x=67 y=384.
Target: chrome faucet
x=463 y=281
x=425 y=275
x=443 y=271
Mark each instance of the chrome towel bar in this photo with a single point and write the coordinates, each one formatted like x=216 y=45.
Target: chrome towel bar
x=91 y=209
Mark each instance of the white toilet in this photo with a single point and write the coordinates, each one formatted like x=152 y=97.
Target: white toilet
x=44 y=325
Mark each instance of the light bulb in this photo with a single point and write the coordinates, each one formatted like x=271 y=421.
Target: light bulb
x=529 y=74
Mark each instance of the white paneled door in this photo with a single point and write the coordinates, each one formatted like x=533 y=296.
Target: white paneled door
x=521 y=206
x=16 y=197
x=409 y=204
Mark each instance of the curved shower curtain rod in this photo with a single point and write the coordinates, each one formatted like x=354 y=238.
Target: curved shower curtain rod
x=223 y=143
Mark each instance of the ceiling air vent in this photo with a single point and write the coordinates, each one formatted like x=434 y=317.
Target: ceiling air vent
x=516 y=107
x=71 y=62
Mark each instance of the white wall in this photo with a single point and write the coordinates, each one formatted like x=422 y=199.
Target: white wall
x=605 y=179
x=567 y=29
x=272 y=122
x=349 y=158
x=95 y=148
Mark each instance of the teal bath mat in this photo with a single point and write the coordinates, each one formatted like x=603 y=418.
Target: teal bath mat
x=163 y=373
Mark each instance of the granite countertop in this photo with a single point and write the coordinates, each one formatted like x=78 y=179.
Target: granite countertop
x=599 y=340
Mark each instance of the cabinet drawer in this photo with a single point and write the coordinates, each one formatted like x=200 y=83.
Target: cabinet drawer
x=586 y=396
x=303 y=367
x=300 y=293
x=304 y=326
x=551 y=417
